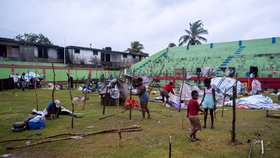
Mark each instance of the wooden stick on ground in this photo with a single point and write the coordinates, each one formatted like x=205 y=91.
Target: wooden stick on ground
x=134 y=128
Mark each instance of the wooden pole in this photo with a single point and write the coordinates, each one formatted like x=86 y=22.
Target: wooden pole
x=130 y=103
x=84 y=103
x=233 y=134
x=224 y=103
x=106 y=95
x=35 y=88
x=72 y=108
x=166 y=73
x=118 y=120
x=53 y=104
x=183 y=75
x=169 y=146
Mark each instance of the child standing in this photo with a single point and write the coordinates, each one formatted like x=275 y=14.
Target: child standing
x=208 y=101
x=192 y=114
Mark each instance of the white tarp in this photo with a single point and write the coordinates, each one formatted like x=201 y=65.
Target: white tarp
x=187 y=90
x=225 y=83
x=257 y=102
x=27 y=76
x=256 y=86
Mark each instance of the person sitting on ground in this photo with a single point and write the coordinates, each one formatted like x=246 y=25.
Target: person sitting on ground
x=192 y=113
x=164 y=92
x=53 y=109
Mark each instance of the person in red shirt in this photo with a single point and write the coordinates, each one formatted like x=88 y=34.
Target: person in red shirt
x=192 y=113
x=164 y=92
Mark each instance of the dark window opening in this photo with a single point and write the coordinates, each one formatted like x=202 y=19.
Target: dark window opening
x=95 y=52
x=124 y=55
x=102 y=57
x=45 y=52
x=77 y=51
x=60 y=53
x=108 y=57
x=133 y=56
x=3 y=51
x=42 y=52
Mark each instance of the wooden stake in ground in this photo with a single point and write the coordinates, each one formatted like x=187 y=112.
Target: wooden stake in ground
x=183 y=76
x=169 y=146
x=130 y=103
x=35 y=88
x=53 y=103
x=84 y=103
x=224 y=102
x=118 y=121
x=72 y=108
x=233 y=134
x=107 y=96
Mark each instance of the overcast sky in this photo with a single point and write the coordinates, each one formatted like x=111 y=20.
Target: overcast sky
x=154 y=23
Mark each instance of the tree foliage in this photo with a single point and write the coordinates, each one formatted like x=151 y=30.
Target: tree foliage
x=135 y=47
x=193 y=35
x=171 y=45
x=34 y=38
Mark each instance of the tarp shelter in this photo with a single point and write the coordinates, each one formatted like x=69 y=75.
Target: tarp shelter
x=116 y=89
x=222 y=84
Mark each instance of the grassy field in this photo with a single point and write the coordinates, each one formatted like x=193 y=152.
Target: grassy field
x=151 y=142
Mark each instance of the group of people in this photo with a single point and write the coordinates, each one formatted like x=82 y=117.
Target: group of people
x=208 y=103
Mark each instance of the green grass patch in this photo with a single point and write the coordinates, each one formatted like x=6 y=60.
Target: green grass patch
x=151 y=142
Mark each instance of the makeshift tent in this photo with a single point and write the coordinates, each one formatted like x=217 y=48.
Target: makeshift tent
x=116 y=89
x=222 y=84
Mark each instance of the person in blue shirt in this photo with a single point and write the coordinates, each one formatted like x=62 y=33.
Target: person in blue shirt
x=53 y=108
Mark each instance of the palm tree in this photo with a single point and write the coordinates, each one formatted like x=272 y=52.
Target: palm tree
x=193 y=35
x=135 y=47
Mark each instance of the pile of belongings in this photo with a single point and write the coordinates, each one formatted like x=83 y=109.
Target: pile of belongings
x=30 y=122
x=132 y=102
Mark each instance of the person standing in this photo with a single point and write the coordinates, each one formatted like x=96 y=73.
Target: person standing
x=22 y=81
x=70 y=81
x=164 y=92
x=143 y=97
x=208 y=101
x=192 y=113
